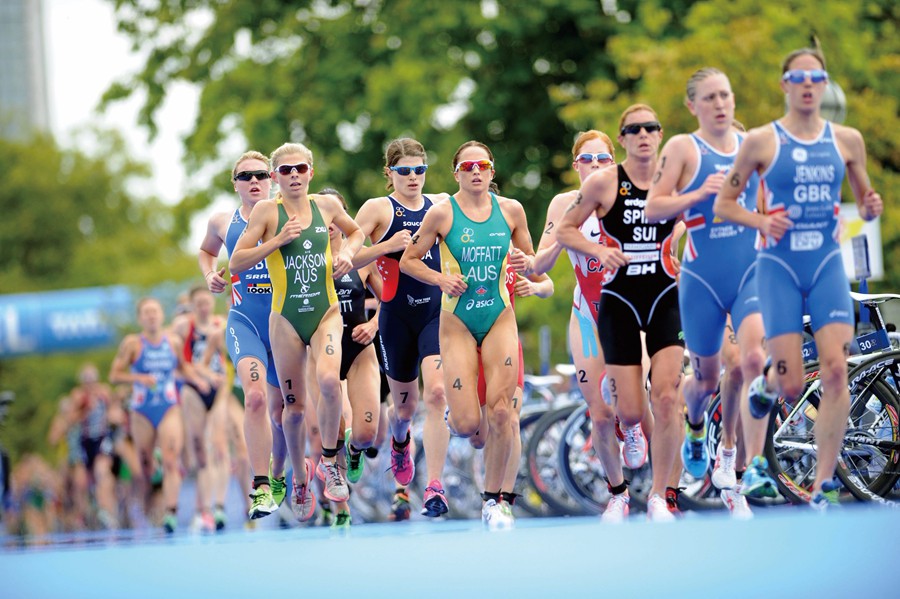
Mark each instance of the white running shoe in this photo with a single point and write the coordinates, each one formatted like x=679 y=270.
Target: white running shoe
x=736 y=504
x=494 y=516
x=723 y=476
x=634 y=450
x=658 y=510
x=617 y=509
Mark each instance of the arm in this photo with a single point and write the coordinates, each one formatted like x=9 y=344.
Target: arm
x=263 y=222
x=343 y=262
x=726 y=206
x=121 y=365
x=369 y=218
x=61 y=422
x=867 y=199
x=208 y=257
x=436 y=221
x=364 y=333
x=597 y=194
x=549 y=248
x=662 y=201
x=187 y=369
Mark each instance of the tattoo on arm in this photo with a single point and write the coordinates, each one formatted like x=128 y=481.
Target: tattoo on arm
x=548 y=229
x=736 y=180
x=415 y=239
x=579 y=198
x=662 y=165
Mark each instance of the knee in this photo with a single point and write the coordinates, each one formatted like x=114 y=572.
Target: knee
x=364 y=436
x=294 y=414
x=603 y=416
x=330 y=386
x=500 y=415
x=435 y=397
x=467 y=425
x=666 y=403
x=833 y=373
x=752 y=364
x=255 y=401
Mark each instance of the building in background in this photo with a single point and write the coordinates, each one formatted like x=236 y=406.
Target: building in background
x=23 y=80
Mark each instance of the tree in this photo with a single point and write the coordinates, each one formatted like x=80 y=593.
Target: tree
x=70 y=221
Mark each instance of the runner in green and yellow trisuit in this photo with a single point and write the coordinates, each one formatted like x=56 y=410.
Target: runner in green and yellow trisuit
x=291 y=232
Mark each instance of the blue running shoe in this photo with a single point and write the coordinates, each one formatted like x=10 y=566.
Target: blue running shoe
x=761 y=400
x=757 y=482
x=694 y=452
x=827 y=497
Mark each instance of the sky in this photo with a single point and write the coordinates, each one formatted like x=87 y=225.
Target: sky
x=84 y=55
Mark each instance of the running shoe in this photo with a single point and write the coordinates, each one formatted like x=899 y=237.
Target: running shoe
x=336 y=488
x=400 y=509
x=326 y=516
x=434 y=503
x=219 y=518
x=757 y=482
x=494 y=517
x=761 y=399
x=106 y=520
x=277 y=485
x=823 y=500
x=617 y=509
x=736 y=504
x=169 y=523
x=507 y=512
x=355 y=461
x=634 y=451
x=402 y=465
x=342 y=520
x=262 y=503
x=203 y=523
x=694 y=452
x=658 y=510
x=672 y=494
x=303 y=500
x=724 y=476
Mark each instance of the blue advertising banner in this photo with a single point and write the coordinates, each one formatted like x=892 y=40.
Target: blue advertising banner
x=55 y=321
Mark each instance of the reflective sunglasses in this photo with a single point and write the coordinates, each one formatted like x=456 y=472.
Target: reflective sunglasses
x=287 y=169
x=247 y=175
x=601 y=157
x=800 y=75
x=635 y=128
x=404 y=171
x=469 y=165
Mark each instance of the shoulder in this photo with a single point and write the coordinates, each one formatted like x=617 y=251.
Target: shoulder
x=847 y=136
x=597 y=181
x=678 y=144
x=220 y=220
x=510 y=205
x=130 y=342
x=561 y=201
x=437 y=198
x=375 y=208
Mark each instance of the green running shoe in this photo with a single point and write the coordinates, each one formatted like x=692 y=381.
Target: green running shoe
x=170 y=523
x=262 y=503
x=278 y=486
x=355 y=461
x=342 y=520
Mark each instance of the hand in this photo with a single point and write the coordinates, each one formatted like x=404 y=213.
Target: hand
x=364 y=333
x=215 y=280
x=676 y=265
x=612 y=257
x=776 y=225
x=524 y=287
x=202 y=385
x=341 y=264
x=711 y=186
x=873 y=204
x=290 y=231
x=398 y=241
x=147 y=380
x=453 y=285
x=521 y=262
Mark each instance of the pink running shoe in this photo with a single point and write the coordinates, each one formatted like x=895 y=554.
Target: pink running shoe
x=303 y=500
x=634 y=450
x=434 y=503
x=402 y=465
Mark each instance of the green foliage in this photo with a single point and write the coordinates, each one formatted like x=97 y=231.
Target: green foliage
x=70 y=221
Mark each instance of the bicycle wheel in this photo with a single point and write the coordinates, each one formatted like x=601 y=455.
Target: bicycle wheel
x=870 y=450
x=529 y=499
x=791 y=440
x=541 y=457
x=581 y=472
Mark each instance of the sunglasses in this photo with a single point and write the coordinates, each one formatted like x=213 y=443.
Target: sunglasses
x=247 y=175
x=588 y=158
x=800 y=75
x=403 y=171
x=635 y=128
x=287 y=169
x=469 y=165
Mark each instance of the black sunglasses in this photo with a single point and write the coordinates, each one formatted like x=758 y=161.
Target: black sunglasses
x=247 y=175
x=635 y=128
